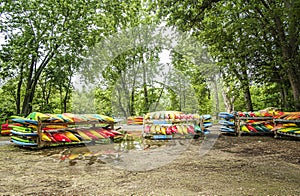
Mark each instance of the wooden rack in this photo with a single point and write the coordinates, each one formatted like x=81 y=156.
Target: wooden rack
x=238 y=119
x=41 y=125
x=169 y=122
x=280 y=121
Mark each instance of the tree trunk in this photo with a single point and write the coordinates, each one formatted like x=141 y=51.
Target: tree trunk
x=243 y=78
x=289 y=45
x=65 y=101
x=19 y=88
x=294 y=81
x=61 y=99
x=131 y=109
x=247 y=98
x=215 y=87
x=228 y=101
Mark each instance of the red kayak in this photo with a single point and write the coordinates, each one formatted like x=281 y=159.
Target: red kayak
x=174 y=129
x=102 y=133
x=117 y=132
x=147 y=129
x=190 y=129
x=251 y=128
x=169 y=131
x=50 y=136
x=110 y=134
x=90 y=135
x=60 y=137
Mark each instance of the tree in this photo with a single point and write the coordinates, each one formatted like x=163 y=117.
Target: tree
x=37 y=32
x=244 y=36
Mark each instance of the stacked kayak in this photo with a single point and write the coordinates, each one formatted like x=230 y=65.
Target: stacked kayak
x=287 y=124
x=251 y=123
x=258 y=127
x=135 y=120
x=23 y=134
x=227 y=122
x=5 y=129
x=268 y=112
x=207 y=122
x=257 y=122
x=174 y=116
x=38 y=129
x=171 y=124
x=183 y=129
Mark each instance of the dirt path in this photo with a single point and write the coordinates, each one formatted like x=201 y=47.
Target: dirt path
x=234 y=166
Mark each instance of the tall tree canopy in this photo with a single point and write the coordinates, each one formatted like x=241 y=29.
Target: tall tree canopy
x=251 y=39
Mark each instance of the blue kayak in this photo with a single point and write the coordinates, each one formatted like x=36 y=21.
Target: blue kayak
x=23 y=143
x=226 y=123
x=227 y=130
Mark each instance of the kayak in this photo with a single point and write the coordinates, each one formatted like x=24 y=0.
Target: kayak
x=49 y=136
x=207 y=124
x=22 y=129
x=244 y=129
x=84 y=136
x=23 y=143
x=185 y=130
x=95 y=133
x=251 y=129
x=5 y=132
x=60 y=137
x=169 y=131
x=23 y=133
x=179 y=129
x=226 y=123
x=22 y=139
x=100 y=131
x=45 y=137
x=37 y=115
x=191 y=129
x=71 y=136
x=163 y=130
x=227 y=130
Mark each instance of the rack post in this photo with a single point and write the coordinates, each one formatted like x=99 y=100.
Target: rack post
x=39 y=131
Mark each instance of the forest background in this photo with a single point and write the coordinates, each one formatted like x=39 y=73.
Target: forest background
x=249 y=61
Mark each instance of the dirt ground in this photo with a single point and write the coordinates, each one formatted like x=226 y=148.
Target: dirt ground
x=215 y=165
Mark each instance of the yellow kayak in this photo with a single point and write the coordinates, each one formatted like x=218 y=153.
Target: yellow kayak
x=152 y=129
x=163 y=130
x=268 y=126
x=185 y=129
x=84 y=136
x=157 y=129
x=95 y=133
x=71 y=136
x=45 y=138
x=245 y=129
x=285 y=130
x=179 y=128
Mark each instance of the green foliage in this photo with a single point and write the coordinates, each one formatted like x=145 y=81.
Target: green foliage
x=256 y=41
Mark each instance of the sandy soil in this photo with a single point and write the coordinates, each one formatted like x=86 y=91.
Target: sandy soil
x=215 y=165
